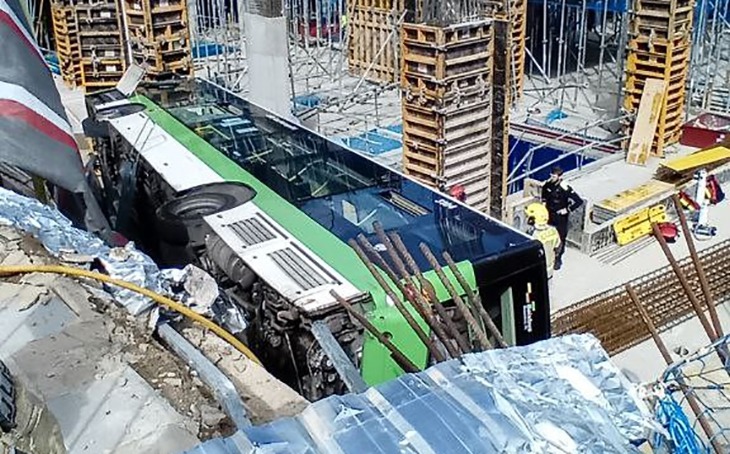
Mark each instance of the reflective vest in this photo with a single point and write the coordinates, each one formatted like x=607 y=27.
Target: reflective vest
x=550 y=239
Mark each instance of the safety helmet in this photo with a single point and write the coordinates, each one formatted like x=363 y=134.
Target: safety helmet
x=537 y=214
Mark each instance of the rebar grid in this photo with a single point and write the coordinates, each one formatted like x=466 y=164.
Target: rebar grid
x=612 y=317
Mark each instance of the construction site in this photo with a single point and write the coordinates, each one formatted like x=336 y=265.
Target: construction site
x=364 y=226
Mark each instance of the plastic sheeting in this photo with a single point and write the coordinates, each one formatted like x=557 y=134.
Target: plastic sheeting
x=561 y=395
x=58 y=235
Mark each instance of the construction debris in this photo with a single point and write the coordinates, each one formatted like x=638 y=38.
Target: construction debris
x=82 y=345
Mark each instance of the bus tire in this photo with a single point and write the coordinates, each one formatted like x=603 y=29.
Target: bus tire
x=177 y=219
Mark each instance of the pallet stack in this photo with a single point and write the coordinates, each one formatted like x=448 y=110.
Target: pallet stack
x=373 y=39
x=65 y=30
x=101 y=42
x=659 y=48
x=518 y=26
x=89 y=42
x=159 y=37
x=448 y=107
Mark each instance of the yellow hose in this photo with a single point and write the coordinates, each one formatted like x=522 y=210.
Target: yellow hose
x=167 y=302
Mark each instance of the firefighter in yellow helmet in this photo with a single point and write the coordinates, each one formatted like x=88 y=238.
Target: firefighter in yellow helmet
x=537 y=220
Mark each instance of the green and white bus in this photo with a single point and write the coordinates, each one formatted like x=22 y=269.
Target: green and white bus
x=278 y=245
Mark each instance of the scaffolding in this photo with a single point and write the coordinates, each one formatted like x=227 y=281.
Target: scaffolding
x=574 y=55
x=709 y=78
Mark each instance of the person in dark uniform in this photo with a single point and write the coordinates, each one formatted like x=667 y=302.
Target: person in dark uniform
x=560 y=200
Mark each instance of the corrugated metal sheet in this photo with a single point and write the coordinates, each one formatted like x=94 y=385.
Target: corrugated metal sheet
x=556 y=396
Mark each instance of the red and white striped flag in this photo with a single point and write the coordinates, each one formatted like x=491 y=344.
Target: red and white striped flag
x=34 y=132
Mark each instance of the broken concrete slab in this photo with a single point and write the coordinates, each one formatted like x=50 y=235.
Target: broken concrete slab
x=62 y=362
x=19 y=295
x=73 y=294
x=15 y=258
x=19 y=328
x=38 y=279
x=121 y=408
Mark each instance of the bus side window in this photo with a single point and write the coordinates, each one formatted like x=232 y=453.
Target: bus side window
x=508 y=316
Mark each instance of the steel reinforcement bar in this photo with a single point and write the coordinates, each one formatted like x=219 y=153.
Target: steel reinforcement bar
x=613 y=318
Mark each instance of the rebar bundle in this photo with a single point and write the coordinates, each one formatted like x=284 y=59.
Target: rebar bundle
x=414 y=297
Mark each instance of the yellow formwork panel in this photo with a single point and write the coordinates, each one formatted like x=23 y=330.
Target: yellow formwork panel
x=699 y=159
x=630 y=197
x=638 y=225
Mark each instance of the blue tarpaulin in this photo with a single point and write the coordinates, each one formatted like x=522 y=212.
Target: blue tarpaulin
x=372 y=142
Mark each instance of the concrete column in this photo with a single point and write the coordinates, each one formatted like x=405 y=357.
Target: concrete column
x=267 y=55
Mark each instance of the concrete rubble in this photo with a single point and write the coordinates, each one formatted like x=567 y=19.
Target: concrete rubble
x=98 y=378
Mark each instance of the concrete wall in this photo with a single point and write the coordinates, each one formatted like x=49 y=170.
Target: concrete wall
x=268 y=65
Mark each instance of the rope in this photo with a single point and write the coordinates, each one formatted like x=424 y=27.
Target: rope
x=685 y=439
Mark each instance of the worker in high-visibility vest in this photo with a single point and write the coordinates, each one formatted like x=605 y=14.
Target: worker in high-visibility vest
x=537 y=220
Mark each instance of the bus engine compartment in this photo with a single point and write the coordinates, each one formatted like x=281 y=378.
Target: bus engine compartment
x=199 y=176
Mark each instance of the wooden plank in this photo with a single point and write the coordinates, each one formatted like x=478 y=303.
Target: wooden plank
x=625 y=201
x=699 y=159
x=646 y=122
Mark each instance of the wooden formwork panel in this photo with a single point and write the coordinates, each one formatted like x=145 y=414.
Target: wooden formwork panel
x=518 y=24
x=661 y=20
x=445 y=54
x=98 y=14
x=676 y=59
x=648 y=116
x=643 y=72
x=468 y=163
x=89 y=41
x=661 y=5
x=101 y=72
x=447 y=104
x=445 y=37
x=460 y=165
x=669 y=128
x=445 y=128
x=659 y=47
x=446 y=93
x=670 y=25
x=67 y=45
x=373 y=44
x=466 y=62
x=159 y=36
x=443 y=77
x=477 y=191
x=384 y=5
x=635 y=83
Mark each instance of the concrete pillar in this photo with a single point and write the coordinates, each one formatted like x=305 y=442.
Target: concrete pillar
x=267 y=56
